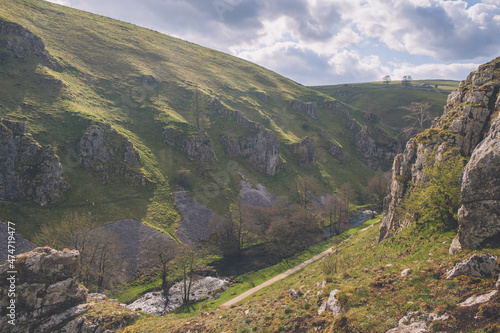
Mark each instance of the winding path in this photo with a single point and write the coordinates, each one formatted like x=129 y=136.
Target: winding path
x=276 y=278
x=287 y=273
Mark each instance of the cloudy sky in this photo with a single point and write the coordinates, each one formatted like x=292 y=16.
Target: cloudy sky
x=328 y=41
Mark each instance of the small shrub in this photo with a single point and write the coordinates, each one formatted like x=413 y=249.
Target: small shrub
x=329 y=265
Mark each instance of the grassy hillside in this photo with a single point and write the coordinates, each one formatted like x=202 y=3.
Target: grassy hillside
x=386 y=100
x=140 y=82
x=374 y=294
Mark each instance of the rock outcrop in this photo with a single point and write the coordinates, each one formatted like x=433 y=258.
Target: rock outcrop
x=310 y=108
x=156 y=303
x=479 y=216
x=105 y=152
x=338 y=153
x=27 y=169
x=256 y=143
x=475 y=266
x=467 y=121
x=417 y=322
x=331 y=304
x=47 y=293
x=375 y=153
x=18 y=42
x=197 y=147
x=305 y=151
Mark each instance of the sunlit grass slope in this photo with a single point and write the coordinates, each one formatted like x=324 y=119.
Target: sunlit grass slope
x=140 y=81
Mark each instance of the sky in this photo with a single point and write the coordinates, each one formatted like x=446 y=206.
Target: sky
x=321 y=42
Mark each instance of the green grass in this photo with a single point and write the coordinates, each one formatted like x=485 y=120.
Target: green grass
x=100 y=79
x=370 y=283
x=385 y=100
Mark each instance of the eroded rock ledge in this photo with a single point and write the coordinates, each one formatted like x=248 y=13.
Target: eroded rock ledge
x=466 y=122
x=27 y=169
x=105 y=152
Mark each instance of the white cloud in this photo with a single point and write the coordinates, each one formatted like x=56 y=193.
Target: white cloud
x=319 y=40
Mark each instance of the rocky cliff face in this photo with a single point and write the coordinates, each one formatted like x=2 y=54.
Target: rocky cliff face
x=310 y=108
x=258 y=144
x=467 y=120
x=47 y=292
x=17 y=42
x=479 y=216
x=374 y=153
x=198 y=148
x=305 y=151
x=28 y=170
x=105 y=152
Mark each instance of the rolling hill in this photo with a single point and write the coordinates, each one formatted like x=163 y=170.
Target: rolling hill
x=386 y=100
x=133 y=115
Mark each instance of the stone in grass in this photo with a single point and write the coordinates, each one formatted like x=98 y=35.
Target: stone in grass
x=331 y=304
x=478 y=299
x=293 y=294
x=417 y=322
x=475 y=266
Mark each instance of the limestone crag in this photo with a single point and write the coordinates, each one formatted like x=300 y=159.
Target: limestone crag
x=28 y=170
x=479 y=216
x=310 y=108
x=466 y=121
x=197 y=147
x=105 y=152
x=338 y=153
x=374 y=153
x=18 y=42
x=258 y=144
x=47 y=292
x=337 y=106
x=305 y=151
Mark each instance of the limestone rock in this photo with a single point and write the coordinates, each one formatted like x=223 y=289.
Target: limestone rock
x=28 y=170
x=20 y=43
x=158 y=304
x=197 y=147
x=331 y=304
x=466 y=121
x=310 y=108
x=455 y=246
x=336 y=106
x=405 y=272
x=475 y=266
x=372 y=153
x=417 y=322
x=293 y=294
x=479 y=216
x=106 y=153
x=305 y=151
x=47 y=292
x=478 y=299
x=258 y=144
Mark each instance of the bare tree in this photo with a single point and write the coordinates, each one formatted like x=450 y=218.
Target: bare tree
x=419 y=115
x=291 y=229
x=161 y=253
x=100 y=261
x=378 y=188
x=186 y=264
